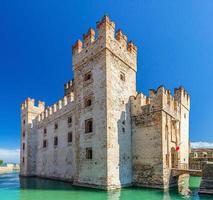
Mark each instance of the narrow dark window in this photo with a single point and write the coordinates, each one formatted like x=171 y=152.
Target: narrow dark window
x=87 y=102
x=23 y=159
x=56 y=141
x=23 y=133
x=56 y=126
x=23 y=146
x=89 y=153
x=69 y=137
x=45 y=131
x=24 y=121
x=44 y=143
x=123 y=130
x=69 y=120
x=87 y=76
x=88 y=126
x=122 y=76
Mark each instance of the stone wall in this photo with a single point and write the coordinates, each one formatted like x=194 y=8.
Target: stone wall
x=56 y=161
x=206 y=186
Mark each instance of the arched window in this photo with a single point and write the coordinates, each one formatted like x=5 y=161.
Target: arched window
x=88 y=102
x=88 y=126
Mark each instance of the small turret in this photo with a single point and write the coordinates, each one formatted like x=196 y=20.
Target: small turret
x=105 y=27
x=89 y=37
x=68 y=87
x=29 y=112
x=121 y=38
x=131 y=47
x=182 y=97
x=77 y=47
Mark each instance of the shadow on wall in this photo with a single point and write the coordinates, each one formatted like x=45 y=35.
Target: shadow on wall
x=125 y=146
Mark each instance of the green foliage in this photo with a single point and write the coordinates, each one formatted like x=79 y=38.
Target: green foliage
x=1 y=162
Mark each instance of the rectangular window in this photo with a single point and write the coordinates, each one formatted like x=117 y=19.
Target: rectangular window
x=89 y=153
x=88 y=126
x=69 y=120
x=87 y=102
x=44 y=143
x=24 y=121
x=23 y=133
x=69 y=137
x=122 y=76
x=23 y=146
x=45 y=131
x=87 y=76
x=56 y=141
x=123 y=129
x=56 y=126
x=23 y=160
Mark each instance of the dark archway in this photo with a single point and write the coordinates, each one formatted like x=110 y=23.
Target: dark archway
x=174 y=158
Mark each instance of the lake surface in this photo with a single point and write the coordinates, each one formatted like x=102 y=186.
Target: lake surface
x=12 y=188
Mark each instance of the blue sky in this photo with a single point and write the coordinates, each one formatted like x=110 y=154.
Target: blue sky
x=174 y=39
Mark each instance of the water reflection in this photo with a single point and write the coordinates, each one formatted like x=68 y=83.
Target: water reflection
x=43 y=184
x=11 y=187
x=34 y=188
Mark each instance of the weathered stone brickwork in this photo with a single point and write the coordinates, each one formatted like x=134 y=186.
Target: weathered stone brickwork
x=102 y=133
x=206 y=186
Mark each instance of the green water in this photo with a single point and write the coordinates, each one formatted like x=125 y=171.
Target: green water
x=12 y=188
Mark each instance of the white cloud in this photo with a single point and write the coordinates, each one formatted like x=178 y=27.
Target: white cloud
x=202 y=144
x=10 y=155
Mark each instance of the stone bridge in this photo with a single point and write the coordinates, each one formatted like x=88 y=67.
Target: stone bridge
x=192 y=172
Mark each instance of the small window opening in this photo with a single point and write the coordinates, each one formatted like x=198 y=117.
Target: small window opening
x=69 y=137
x=122 y=76
x=44 y=143
x=89 y=153
x=69 y=120
x=87 y=76
x=88 y=126
x=88 y=102
x=56 y=141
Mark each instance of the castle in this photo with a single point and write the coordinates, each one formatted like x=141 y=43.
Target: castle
x=102 y=133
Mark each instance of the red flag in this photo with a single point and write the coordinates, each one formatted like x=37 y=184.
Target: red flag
x=177 y=148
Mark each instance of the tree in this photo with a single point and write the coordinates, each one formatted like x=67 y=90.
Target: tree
x=1 y=162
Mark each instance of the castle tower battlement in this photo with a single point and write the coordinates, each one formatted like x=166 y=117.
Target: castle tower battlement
x=50 y=110
x=106 y=39
x=160 y=99
x=182 y=97
x=68 y=87
x=29 y=103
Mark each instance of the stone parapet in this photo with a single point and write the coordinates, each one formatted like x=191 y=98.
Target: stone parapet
x=160 y=99
x=106 y=39
x=50 y=110
x=206 y=186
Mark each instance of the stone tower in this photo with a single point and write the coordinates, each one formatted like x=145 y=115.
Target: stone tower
x=183 y=98
x=28 y=137
x=102 y=133
x=105 y=77
x=160 y=125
